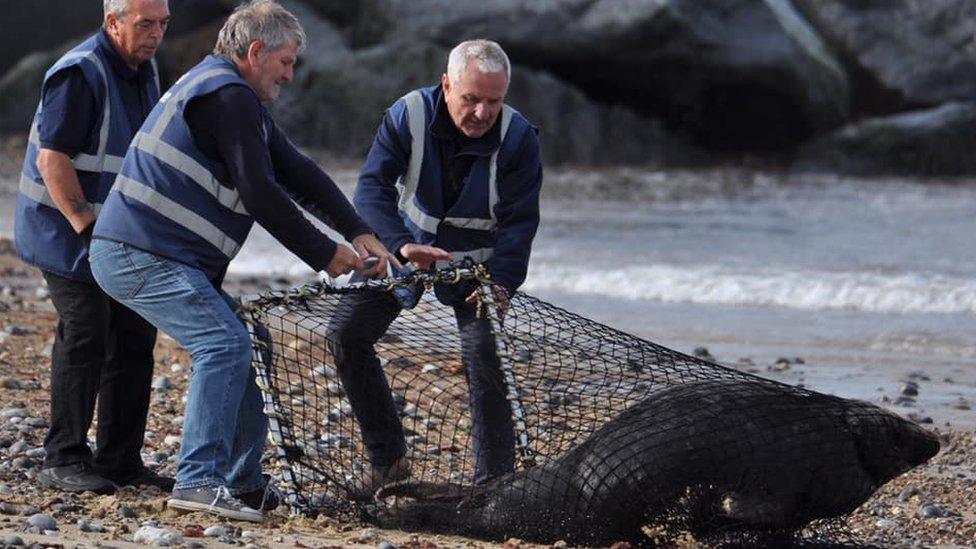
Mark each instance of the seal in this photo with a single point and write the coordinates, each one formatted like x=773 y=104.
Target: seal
x=703 y=457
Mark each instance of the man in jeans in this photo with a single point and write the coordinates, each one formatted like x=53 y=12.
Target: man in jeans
x=207 y=163
x=92 y=101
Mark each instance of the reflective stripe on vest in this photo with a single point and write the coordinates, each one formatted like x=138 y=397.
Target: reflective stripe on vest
x=479 y=255
x=407 y=185
x=100 y=161
x=172 y=102
x=228 y=198
x=166 y=173
x=152 y=144
x=38 y=193
x=177 y=214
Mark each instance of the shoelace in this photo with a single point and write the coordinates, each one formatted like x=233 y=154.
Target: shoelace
x=269 y=490
x=223 y=494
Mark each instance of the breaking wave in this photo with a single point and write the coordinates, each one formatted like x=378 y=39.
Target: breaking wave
x=797 y=289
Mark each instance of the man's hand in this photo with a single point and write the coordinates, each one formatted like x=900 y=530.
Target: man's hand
x=423 y=256
x=367 y=245
x=344 y=261
x=499 y=294
x=86 y=234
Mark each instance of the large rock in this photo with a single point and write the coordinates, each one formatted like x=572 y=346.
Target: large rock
x=20 y=89
x=901 y=53
x=29 y=25
x=362 y=23
x=736 y=73
x=339 y=96
x=931 y=142
x=339 y=104
x=191 y=35
x=180 y=53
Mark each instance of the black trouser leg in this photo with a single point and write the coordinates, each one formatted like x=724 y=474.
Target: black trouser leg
x=361 y=318
x=80 y=343
x=100 y=349
x=492 y=428
x=123 y=396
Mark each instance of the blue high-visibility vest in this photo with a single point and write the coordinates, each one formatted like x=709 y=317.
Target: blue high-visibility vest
x=168 y=198
x=468 y=228
x=42 y=234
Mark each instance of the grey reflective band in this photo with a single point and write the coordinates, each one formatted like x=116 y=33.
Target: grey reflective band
x=478 y=256
x=172 y=102
x=106 y=163
x=155 y=68
x=100 y=161
x=407 y=185
x=38 y=193
x=493 y=165
x=187 y=165
x=471 y=223
x=177 y=214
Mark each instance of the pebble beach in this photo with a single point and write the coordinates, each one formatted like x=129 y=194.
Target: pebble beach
x=931 y=506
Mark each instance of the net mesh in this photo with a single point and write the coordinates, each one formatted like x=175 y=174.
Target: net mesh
x=528 y=420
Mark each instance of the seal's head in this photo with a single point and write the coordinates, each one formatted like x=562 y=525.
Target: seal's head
x=887 y=444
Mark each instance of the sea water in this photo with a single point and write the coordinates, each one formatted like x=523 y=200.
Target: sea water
x=869 y=282
x=866 y=280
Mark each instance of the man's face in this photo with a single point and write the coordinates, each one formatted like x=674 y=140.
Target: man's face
x=268 y=70
x=137 y=33
x=475 y=100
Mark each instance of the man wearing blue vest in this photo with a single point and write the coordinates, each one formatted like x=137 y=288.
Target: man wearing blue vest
x=207 y=163
x=452 y=173
x=93 y=100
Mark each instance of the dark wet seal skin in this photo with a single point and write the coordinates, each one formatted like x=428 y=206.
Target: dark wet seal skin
x=705 y=457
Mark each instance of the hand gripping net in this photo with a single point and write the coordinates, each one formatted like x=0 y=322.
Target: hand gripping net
x=615 y=438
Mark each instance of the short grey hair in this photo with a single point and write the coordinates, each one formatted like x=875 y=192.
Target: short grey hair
x=263 y=20
x=115 y=7
x=488 y=54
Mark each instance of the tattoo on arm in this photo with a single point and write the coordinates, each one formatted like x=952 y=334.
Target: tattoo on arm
x=78 y=204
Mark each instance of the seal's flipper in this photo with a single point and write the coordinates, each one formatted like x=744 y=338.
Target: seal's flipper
x=426 y=491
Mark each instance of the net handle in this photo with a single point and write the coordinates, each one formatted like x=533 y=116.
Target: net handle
x=488 y=306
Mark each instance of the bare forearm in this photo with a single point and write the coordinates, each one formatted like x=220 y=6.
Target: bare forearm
x=62 y=184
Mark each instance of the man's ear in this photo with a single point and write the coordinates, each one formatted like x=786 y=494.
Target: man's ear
x=445 y=83
x=111 y=22
x=254 y=52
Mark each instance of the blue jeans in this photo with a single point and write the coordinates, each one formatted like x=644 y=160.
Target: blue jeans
x=224 y=427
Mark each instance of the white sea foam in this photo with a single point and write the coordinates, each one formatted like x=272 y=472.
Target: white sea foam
x=765 y=287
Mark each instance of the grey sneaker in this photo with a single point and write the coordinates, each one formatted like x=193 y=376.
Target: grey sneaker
x=215 y=500
x=364 y=487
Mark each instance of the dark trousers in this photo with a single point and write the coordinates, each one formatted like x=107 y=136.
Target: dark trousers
x=359 y=322
x=103 y=350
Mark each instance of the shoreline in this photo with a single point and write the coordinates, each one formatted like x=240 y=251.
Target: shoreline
x=933 y=505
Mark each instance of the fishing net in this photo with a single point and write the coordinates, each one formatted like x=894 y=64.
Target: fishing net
x=527 y=420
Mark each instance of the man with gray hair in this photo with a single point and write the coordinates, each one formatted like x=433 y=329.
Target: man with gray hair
x=453 y=173
x=207 y=163
x=92 y=101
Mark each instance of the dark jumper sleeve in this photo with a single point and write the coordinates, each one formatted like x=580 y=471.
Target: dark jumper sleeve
x=228 y=125
x=312 y=188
